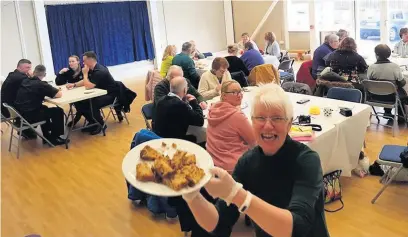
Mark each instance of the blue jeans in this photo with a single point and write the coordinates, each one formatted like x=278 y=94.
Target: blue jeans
x=159 y=205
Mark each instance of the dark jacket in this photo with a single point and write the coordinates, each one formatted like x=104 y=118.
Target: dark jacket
x=319 y=58
x=174 y=116
x=9 y=89
x=187 y=64
x=163 y=88
x=236 y=65
x=68 y=77
x=346 y=62
x=125 y=97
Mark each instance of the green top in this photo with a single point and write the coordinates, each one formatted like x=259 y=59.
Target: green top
x=166 y=63
x=291 y=179
x=187 y=64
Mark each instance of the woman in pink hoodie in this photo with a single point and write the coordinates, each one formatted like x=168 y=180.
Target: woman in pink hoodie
x=229 y=133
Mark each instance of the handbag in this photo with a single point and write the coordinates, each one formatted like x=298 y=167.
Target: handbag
x=332 y=189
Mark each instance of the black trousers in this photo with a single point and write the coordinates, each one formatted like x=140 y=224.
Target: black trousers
x=97 y=103
x=186 y=218
x=53 y=117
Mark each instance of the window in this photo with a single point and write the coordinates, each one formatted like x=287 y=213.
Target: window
x=337 y=15
x=397 y=19
x=298 y=15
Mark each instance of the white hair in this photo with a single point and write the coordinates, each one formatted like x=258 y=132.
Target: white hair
x=332 y=38
x=177 y=86
x=172 y=69
x=272 y=95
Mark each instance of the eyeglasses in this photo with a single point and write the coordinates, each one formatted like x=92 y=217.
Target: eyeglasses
x=236 y=93
x=274 y=120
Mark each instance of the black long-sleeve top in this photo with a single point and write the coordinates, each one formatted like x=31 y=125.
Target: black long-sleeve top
x=291 y=179
x=68 y=77
x=173 y=117
x=236 y=65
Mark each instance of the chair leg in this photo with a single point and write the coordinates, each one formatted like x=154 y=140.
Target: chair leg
x=387 y=182
x=113 y=113
x=19 y=144
x=395 y=123
x=376 y=115
x=11 y=137
x=124 y=115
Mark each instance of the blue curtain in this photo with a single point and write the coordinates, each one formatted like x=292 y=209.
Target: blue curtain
x=119 y=32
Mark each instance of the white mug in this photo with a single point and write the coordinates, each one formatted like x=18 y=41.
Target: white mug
x=327 y=111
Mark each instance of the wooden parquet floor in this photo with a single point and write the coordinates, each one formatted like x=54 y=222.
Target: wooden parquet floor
x=56 y=192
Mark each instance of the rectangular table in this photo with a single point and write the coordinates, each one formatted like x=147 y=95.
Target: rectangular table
x=74 y=95
x=341 y=139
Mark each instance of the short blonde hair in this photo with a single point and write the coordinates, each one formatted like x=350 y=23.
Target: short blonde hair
x=226 y=84
x=232 y=48
x=272 y=95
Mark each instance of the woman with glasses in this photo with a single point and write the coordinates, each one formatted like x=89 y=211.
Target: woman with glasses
x=210 y=82
x=278 y=183
x=229 y=133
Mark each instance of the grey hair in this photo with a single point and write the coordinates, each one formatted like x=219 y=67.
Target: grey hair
x=272 y=96
x=186 y=46
x=331 y=38
x=177 y=87
x=173 y=68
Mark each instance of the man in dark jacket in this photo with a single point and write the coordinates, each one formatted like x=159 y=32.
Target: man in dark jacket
x=331 y=43
x=12 y=83
x=184 y=60
x=176 y=111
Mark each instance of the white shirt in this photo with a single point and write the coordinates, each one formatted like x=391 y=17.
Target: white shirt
x=401 y=49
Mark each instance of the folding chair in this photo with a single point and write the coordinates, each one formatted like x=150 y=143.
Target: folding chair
x=286 y=65
x=113 y=111
x=147 y=112
x=383 y=88
x=390 y=156
x=346 y=94
x=24 y=125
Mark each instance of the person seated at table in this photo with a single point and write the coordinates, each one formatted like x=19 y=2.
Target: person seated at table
x=210 y=82
x=235 y=63
x=96 y=76
x=167 y=59
x=330 y=44
x=345 y=60
x=385 y=70
x=176 y=111
x=184 y=60
x=245 y=39
x=276 y=163
x=342 y=34
x=10 y=87
x=229 y=133
x=272 y=45
x=195 y=54
x=29 y=102
x=69 y=76
x=401 y=48
x=163 y=87
x=251 y=57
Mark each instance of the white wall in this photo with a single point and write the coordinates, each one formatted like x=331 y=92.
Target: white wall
x=18 y=41
x=202 y=21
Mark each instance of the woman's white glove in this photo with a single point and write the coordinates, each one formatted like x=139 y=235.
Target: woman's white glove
x=222 y=185
x=189 y=197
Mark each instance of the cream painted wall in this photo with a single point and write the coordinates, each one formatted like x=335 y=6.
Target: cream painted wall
x=202 y=21
x=10 y=39
x=247 y=15
x=11 y=47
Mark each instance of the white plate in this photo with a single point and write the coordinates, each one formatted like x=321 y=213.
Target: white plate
x=132 y=158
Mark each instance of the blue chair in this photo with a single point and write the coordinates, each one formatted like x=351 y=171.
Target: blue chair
x=346 y=94
x=390 y=156
x=147 y=112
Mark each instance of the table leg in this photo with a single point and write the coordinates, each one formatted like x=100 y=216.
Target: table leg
x=70 y=113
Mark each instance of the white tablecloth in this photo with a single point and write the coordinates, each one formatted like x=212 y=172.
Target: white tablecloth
x=338 y=144
x=75 y=95
x=399 y=61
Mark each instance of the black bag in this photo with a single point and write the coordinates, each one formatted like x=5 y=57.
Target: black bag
x=404 y=157
x=332 y=189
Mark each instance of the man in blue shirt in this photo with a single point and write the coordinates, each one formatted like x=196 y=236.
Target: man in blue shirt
x=331 y=43
x=251 y=57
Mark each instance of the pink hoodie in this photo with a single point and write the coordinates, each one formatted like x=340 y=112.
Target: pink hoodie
x=229 y=135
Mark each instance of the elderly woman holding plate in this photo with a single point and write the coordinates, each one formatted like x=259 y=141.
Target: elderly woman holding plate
x=278 y=184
